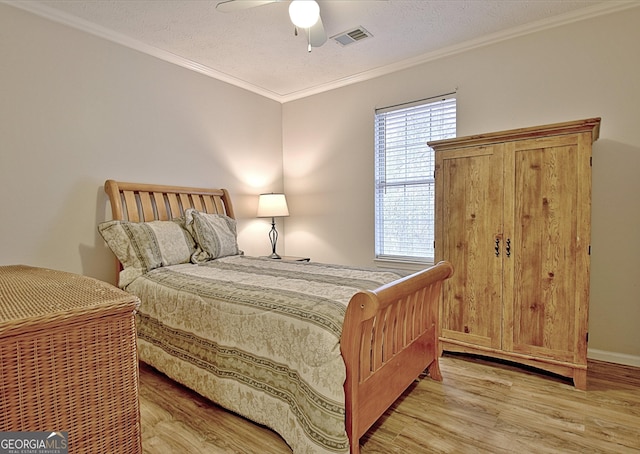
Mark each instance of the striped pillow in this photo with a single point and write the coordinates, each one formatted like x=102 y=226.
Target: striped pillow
x=144 y=246
x=215 y=235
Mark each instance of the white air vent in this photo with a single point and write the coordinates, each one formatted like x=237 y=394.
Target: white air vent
x=352 y=36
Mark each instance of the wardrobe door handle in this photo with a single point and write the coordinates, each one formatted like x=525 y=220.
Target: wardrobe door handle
x=497 y=247
x=508 y=247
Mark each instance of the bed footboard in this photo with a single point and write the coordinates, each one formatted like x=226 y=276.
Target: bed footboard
x=389 y=337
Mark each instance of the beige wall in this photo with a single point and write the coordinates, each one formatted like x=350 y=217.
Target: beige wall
x=76 y=110
x=581 y=70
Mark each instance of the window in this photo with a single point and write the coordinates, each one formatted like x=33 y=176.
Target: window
x=404 y=176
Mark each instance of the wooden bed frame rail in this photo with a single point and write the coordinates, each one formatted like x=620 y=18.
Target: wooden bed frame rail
x=389 y=337
x=138 y=202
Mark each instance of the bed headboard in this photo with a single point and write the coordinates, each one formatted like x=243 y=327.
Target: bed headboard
x=140 y=202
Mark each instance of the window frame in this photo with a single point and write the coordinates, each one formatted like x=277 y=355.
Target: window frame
x=439 y=114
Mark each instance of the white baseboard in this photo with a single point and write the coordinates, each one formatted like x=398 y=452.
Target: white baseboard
x=612 y=357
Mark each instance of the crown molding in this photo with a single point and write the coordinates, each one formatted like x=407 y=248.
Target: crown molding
x=567 y=18
x=47 y=12
x=42 y=10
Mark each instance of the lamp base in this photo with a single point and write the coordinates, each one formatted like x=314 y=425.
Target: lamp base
x=273 y=236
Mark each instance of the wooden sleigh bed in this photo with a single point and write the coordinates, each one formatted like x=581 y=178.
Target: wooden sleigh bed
x=389 y=335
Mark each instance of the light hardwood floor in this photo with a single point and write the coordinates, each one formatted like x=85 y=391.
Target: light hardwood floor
x=480 y=407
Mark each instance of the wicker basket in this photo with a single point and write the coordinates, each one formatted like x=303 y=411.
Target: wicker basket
x=68 y=359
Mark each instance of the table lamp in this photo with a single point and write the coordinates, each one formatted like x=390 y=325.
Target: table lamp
x=272 y=206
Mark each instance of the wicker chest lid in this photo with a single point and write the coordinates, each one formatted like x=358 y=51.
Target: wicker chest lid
x=31 y=295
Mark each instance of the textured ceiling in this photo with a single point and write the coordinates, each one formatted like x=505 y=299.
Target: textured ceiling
x=256 y=48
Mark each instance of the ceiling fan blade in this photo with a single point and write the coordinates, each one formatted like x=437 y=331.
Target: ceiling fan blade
x=229 y=6
x=317 y=35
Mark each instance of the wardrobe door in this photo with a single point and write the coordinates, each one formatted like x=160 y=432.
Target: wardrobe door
x=469 y=198
x=547 y=216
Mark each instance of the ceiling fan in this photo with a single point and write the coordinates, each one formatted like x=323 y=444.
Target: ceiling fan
x=305 y=14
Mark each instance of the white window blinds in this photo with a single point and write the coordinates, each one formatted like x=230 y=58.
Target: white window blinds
x=404 y=176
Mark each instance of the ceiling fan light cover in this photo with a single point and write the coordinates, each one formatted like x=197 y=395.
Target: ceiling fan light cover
x=304 y=13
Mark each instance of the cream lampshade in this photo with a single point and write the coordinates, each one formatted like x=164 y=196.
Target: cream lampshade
x=273 y=206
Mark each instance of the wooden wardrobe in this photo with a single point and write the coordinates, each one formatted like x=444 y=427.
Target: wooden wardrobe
x=513 y=214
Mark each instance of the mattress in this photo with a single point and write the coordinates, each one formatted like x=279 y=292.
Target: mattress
x=259 y=337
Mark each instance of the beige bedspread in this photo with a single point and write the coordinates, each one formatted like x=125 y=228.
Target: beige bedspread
x=260 y=337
